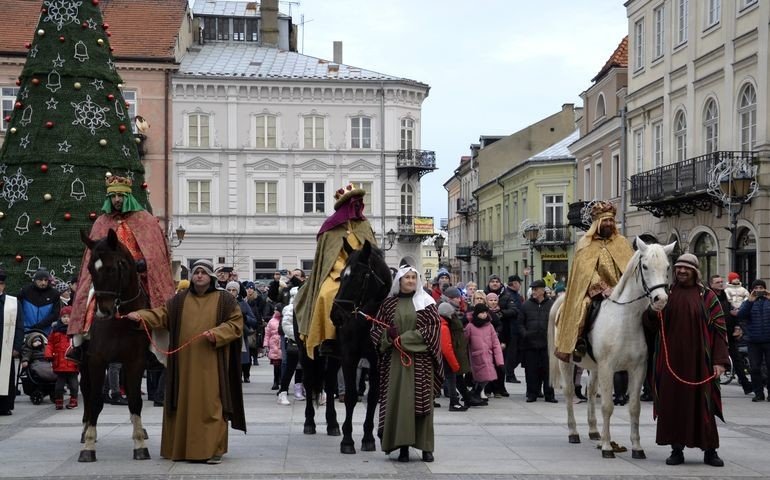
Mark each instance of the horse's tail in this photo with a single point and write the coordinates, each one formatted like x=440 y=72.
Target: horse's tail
x=553 y=362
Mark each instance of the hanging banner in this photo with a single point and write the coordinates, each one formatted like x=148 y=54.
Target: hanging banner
x=423 y=226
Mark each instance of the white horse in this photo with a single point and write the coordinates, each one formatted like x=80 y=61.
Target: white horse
x=617 y=339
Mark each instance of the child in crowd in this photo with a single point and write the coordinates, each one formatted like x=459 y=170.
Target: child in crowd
x=736 y=293
x=484 y=349
x=497 y=387
x=66 y=370
x=273 y=344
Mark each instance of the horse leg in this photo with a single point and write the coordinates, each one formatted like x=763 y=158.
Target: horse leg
x=133 y=373
x=310 y=392
x=349 y=368
x=593 y=385
x=372 y=396
x=96 y=367
x=85 y=390
x=330 y=386
x=635 y=380
x=568 y=390
x=604 y=377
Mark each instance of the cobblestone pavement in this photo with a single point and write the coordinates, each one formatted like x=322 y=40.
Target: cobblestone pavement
x=507 y=439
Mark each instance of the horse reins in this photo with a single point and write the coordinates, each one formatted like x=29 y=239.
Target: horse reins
x=647 y=290
x=118 y=301
x=170 y=352
x=406 y=360
x=668 y=363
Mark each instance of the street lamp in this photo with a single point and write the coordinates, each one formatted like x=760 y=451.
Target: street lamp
x=391 y=237
x=180 y=233
x=733 y=182
x=438 y=242
x=531 y=232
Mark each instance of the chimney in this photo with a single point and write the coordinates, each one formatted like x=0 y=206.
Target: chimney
x=269 y=23
x=338 y=52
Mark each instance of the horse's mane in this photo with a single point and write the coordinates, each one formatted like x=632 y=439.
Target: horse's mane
x=653 y=252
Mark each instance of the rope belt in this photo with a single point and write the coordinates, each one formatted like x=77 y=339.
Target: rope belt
x=668 y=363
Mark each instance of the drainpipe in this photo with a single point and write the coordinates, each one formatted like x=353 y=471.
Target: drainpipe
x=383 y=169
x=623 y=167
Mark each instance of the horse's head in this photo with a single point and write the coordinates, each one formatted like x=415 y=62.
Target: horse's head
x=113 y=272
x=365 y=280
x=653 y=268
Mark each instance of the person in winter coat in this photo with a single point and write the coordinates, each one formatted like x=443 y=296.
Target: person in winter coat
x=66 y=370
x=40 y=303
x=534 y=334
x=249 y=326
x=484 y=348
x=755 y=313
x=292 y=355
x=454 y=348
x=273 y=344
x=735 y=292
x=510 y=302
x=497 y=387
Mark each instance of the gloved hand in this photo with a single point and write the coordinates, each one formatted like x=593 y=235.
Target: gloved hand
x=141 y=265
x=392 y=332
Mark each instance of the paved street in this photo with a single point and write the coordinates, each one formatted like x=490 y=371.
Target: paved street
x=509 y=438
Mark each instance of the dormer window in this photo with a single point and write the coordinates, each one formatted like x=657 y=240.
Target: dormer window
x=235 y=29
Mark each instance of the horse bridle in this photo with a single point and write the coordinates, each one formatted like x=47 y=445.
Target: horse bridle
x=118 y=301
x=370 y=273
x=647 y=290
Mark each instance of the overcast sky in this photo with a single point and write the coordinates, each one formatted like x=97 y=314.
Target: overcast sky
x=493 y=66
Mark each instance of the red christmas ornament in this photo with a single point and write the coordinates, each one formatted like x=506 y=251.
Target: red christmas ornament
x=36 y=81
x=38 y=222
x=122 y=128
x=144 y=186
x=95 y=2
x=109 y=34
x=18 y=105
x=105 y=25
x=112 y=49
x=84 y=25
x=61 y=38
x=7 y=118
x=19 y=258
x=67 y=216
x=28 y=45
x=18 y=83
x=111 y=97
x=49 y=124
x=44 y=167
x=92 y=216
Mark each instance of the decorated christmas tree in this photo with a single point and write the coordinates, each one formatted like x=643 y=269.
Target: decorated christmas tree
x=69 y=129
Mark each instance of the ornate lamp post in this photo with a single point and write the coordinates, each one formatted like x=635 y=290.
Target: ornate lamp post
x=391 y=237
x=733 y=182
x=531 y=233
x=438 y=242
x=179 y=233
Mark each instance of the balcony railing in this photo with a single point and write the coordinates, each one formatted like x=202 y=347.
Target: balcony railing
x=416 y=161
x=554 y=235
x=409 y=225
x=681 y=186
x=482 y=249
x=575 y=215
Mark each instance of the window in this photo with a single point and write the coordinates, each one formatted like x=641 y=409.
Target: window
x=658 y=31
x=657 y=143
x=368 y=199
x=265 y=131
x=587 y=195
x=705 y=250
x=554 y=217
x=267 y=197
x=198 y=130
x=7 y=101
x=681 y=21
x=264 y=269
x=598 y=180
x=680 y=137
x=713 y=12
x=747 y=115
x=198 y=196
x=314 y=131
x=223 y=29
x=130 y=97
x=239 y=27
x=711 y=126
x=407 y=200
x=639 y=150
x=360 y=132
x=407 y=134
x=209 y=25
x=615 y=184
x=314 y=197
x=601 y=109
x=639 y=45
x=747 y=3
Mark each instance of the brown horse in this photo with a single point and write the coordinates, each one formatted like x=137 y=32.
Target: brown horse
x=117 y=291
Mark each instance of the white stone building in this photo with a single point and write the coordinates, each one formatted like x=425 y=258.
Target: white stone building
x=264 y=136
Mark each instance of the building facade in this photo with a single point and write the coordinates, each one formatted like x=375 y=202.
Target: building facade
x=698 y=102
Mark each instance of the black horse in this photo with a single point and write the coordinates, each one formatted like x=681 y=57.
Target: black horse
x=117 y=291
x=364 y=283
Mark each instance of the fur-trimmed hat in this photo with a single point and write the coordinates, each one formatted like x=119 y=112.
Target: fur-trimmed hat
x=348 y=191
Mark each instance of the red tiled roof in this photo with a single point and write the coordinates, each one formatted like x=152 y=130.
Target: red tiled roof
x=144 y=29
x=619 y=58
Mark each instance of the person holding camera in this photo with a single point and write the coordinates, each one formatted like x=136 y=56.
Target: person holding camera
x=755 y=313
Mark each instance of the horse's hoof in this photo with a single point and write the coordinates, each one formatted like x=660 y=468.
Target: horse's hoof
x=574 y=438
x=333 y=431
x=638 y=454
x=87 y=456
x=144 y=432
x=368 y=446
x=141 y=454
x=608 y=454
x=309 y=430
x=347 y=448
x=594 y=435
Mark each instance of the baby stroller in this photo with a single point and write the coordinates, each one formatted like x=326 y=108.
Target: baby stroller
x=36 y=377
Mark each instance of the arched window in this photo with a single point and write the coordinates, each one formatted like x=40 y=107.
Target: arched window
x=711 y=126
x=705 y=250
x=680 y=136
x=747 y=117
x=601 y=109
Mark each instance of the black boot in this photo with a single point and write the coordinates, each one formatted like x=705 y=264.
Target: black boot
x=710 y=457
x=403 y=454
x=677 y=455
x=579 y=393
x=427 y=457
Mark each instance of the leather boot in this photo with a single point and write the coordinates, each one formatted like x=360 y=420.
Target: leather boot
x=677 y=455
x=73 y=403
x=579 y=393
x=403 y=454
x=710 y=457
x=59 y=403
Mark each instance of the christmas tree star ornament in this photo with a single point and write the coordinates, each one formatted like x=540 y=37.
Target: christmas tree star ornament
x=51 y=104
x=24 y=142
x=58 y=62
x=64 y=147
x=67 y=168
x=68 y=268
x=98 y=84
x=48 y=229
x=33 y=52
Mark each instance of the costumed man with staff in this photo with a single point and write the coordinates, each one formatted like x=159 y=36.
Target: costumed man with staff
x=313 y=304
x=140 y=232
x=600 y=259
